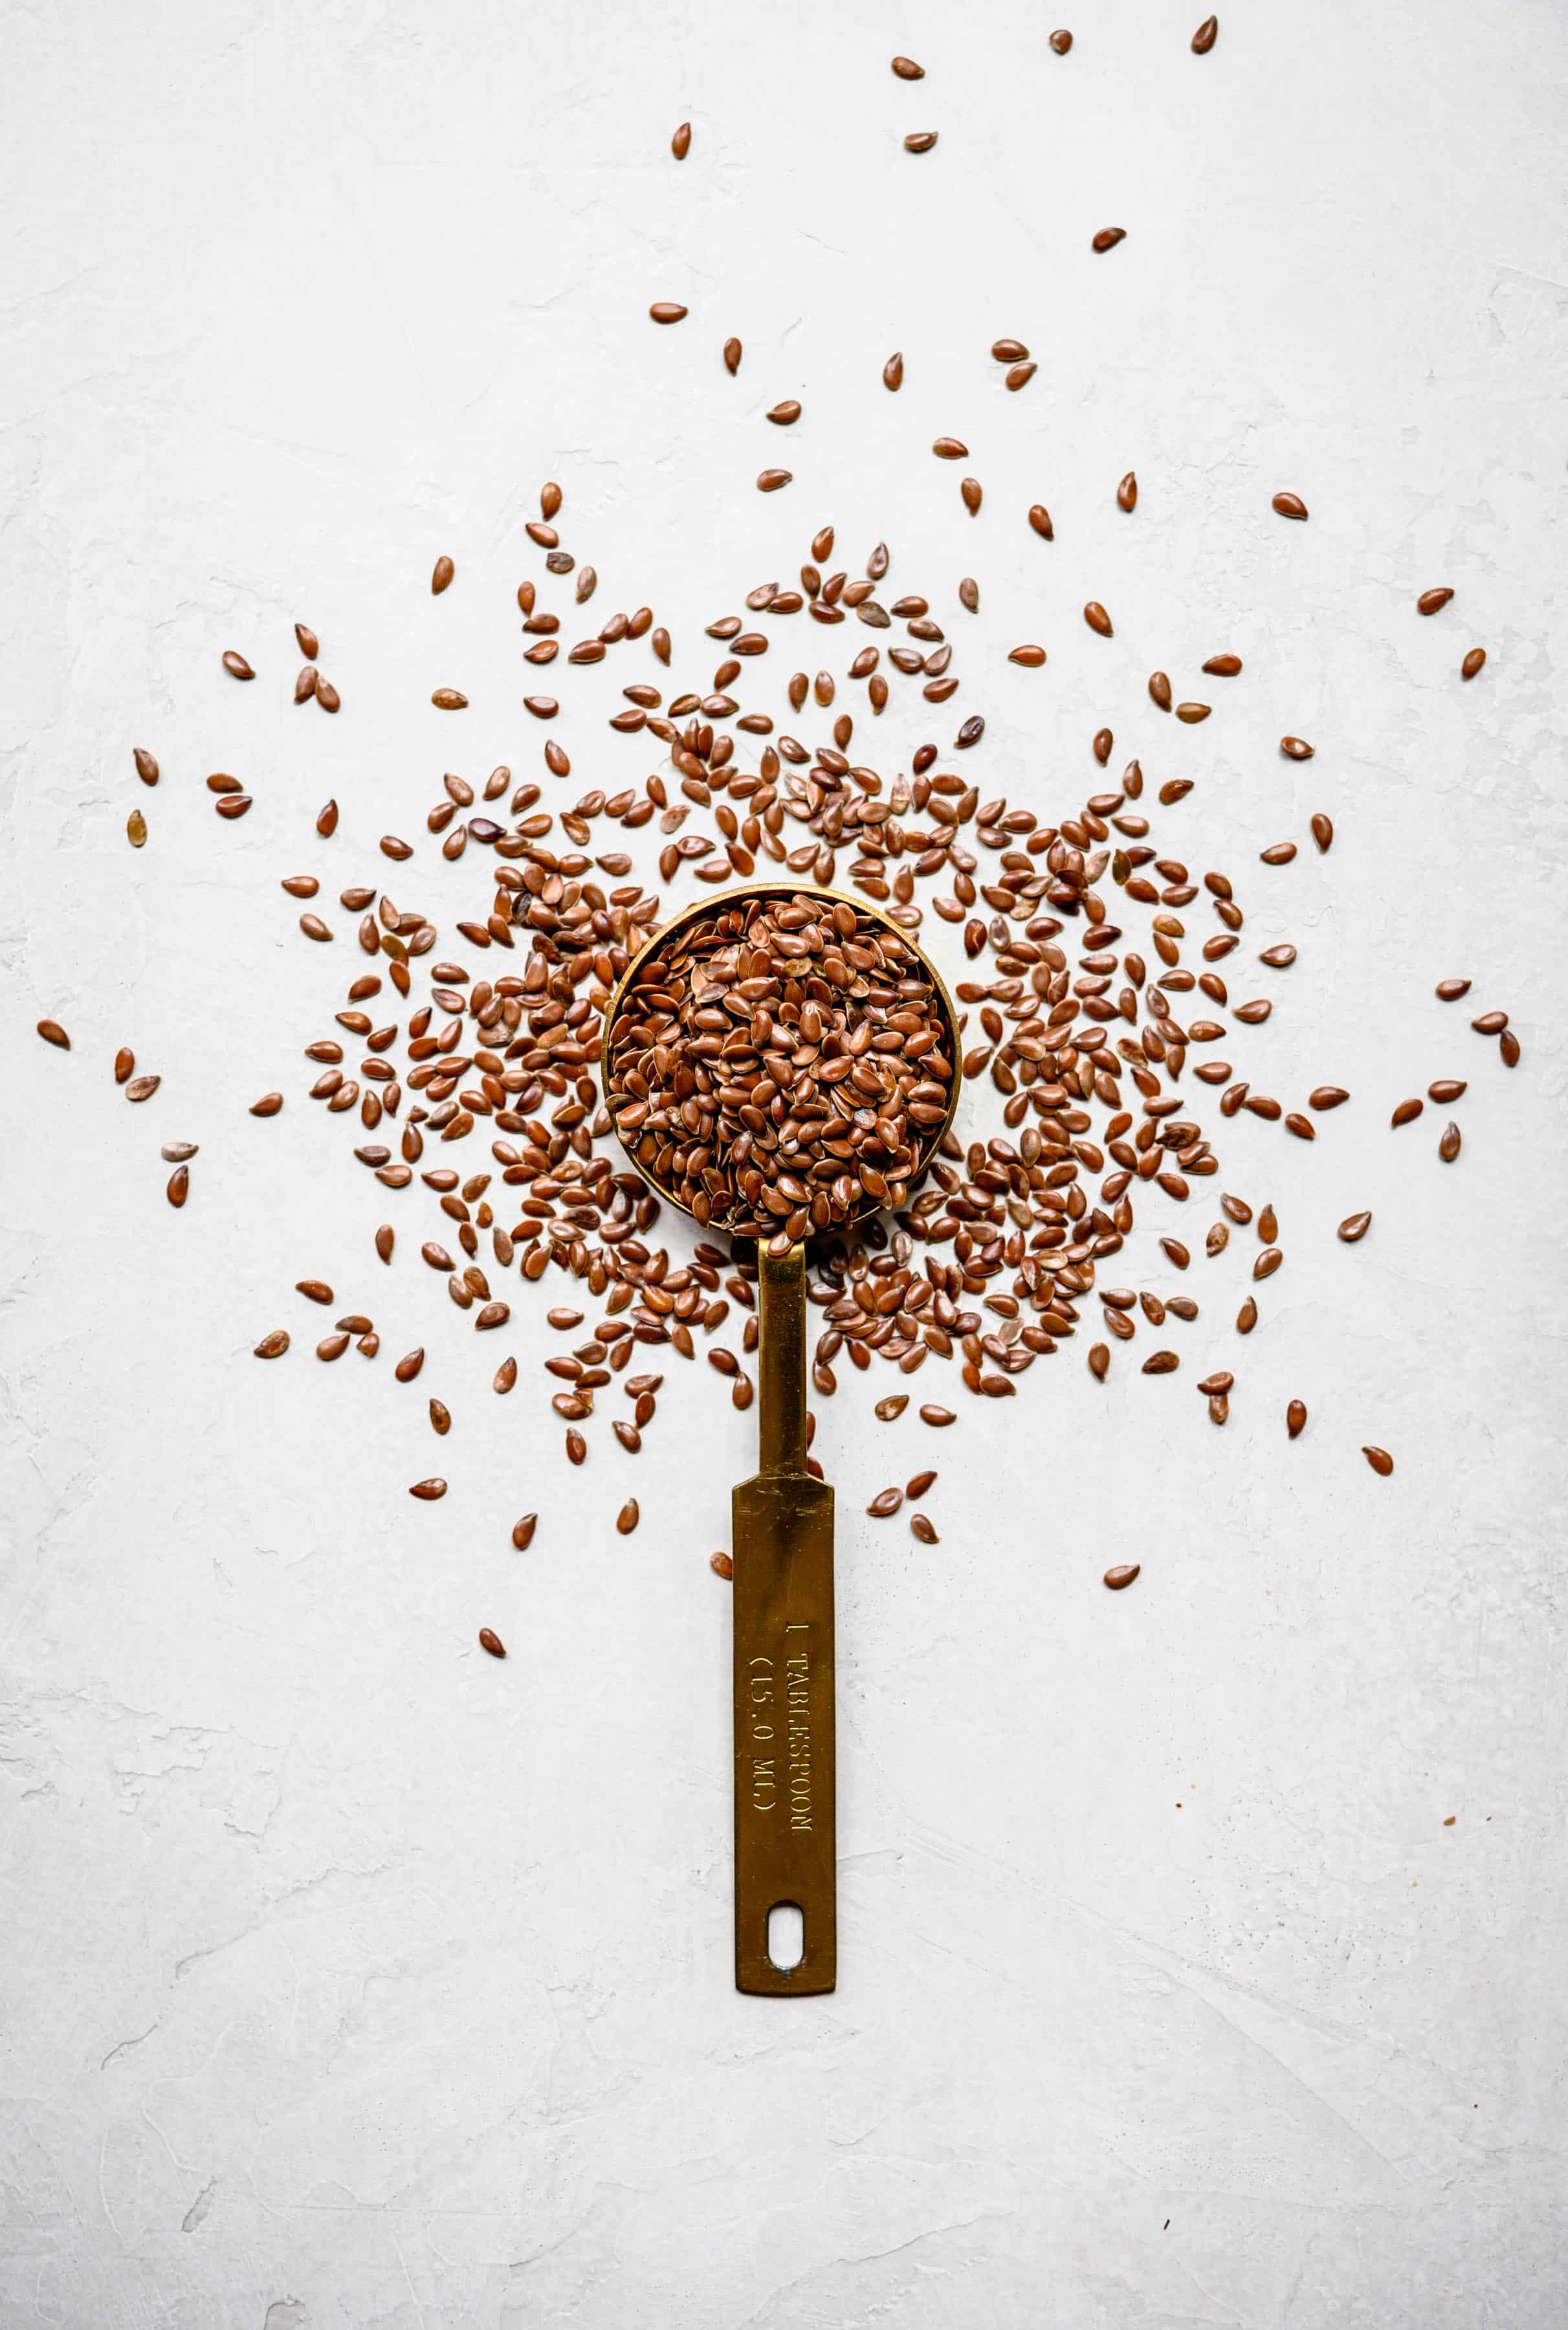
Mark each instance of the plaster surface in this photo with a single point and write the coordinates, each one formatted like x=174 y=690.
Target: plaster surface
x=352 y=1982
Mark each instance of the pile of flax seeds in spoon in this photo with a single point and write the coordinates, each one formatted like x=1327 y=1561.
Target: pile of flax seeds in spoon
x=1097 y=1073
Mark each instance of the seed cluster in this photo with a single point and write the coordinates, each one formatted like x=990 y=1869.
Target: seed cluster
x=780 y=1066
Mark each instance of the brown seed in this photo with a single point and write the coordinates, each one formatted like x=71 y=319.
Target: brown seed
x=907 y=70
x=681 y=143
x=1508 y=1045
x=1099 y=1360
x=1062 y=43
x=972 y=494
x=893 y=371
x=923 y=1527
x=1121 y=1574
x=1191 y=714
x=784 y=415
x=326 y=823
x=147 y=767
x=920 y=141
x=178 y=1185
x=1448 y=990
x=235 y=664
x=1126 y=492
x=1296 y=1418
x=769 y=480
x=721 y=1565
x=448 y=699
x=887 y=1502
x=1268 y=1262
x=1449 y=1143
x=1278 y=853
x=440 y=1417
x=1323 y=1096
x=1008 y=350
x=1290 y=505
x=326 y=695
x=626 y=1521
x=1204 y=38
x=1019 y=375
x=1322 y=830
x=176 y=1152
x=332 y=1347
x=1432 y=601
x=142 y=1087
x=1213 y=1387
x=1490 y=1023
x=1268 y=1226
x=1162 y=1363
x=523 y=1531
x=1223 y=667
x=490 y=1641
x=918 y=1485
x=1472 y=663
x=937 y=1416
x=53 y=1033
x=732 y=357
x=1108 y=237
x=1095 y=616
x=1031 y=658
x=887 y=1409
x=273 y=1346
x=1406 y=1112
x=1381 y=1461
x=1219 y=1409
x=314 y=928
x=1446 y=1088
x=666 y=311
x=949 y=449
x=442 y=576
x=1296 y=748
x=576 y=1448
x=267 y=1105
x=1040 y=519
x=135 y=828
x=308 y=644
x=1355 y=1227
x=1247 y=1316
x=427 y=1490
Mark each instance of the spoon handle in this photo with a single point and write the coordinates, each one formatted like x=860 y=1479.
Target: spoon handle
x=783 y=1666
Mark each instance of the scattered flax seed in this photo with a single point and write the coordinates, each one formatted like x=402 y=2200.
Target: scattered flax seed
x=1431 y=601
x=923 y=1528
x=1322 y=832
x=1290 y=505
x=721 y=1565
x=1355 y=1227
x=887 y=1502
x=668 y=311
x=1029 y=657
x=135 y=828
x=681 y=143
x=1223 y=667
x=1448 y=990
x=1296 y=748
x=142 y=1087
x=1099 y=1360
x=441 y=578
x=1108 y=237
x=1204 y=38
x=53 y=1033
x=1443 y=1089
x=920 y=141
x=267 y=1105
x=147 y=767
x=627 y=1519
x=1061 y=42
x=177 y=1152
x=949 y=449
x=523 y=1531
x=732 y=357
x=448 y=699
x=1449 y=1143
x=784 y=415
x=490 y=1641
x=1472 y=663
x=1040 y=519
x=768 y=481
x=1019 y=375
x=179 y=1184
x=893 y=371
x=907 y=70
x=1095 y=616
x=1121 y=1574
x=937 y=1416
x=310 y=645
x=326 y=821
x=1296 y=1418
x=440 y=1417
x=1381 y=1461
x=273 y=1346
x=427 y=1491
x=236 y=666
x=1406 y=1112
x=1126 y=492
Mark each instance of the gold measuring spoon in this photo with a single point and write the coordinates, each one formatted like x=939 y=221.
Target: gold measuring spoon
x=782 y=1524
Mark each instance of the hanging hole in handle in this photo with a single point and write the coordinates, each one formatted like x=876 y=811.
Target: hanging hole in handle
x=785 y=1936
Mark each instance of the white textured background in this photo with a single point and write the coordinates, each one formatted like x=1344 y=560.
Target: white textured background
x=349 y=1979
